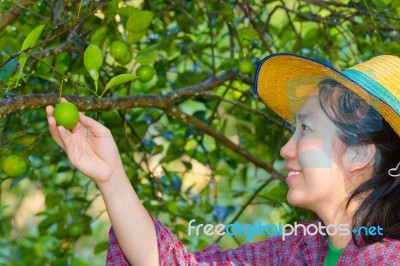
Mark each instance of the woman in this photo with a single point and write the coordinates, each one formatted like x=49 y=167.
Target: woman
x=341 y=163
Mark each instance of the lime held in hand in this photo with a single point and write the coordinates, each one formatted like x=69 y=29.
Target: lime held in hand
x=14 y=165
x=66 y=115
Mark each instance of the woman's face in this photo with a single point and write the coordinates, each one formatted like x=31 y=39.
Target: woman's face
x=314 y=178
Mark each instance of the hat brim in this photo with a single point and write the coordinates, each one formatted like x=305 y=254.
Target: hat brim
x=283 y=81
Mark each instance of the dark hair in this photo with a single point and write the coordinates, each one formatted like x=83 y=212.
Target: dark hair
x=359 y=124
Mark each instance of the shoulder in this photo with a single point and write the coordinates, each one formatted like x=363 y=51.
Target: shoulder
x=386 y=252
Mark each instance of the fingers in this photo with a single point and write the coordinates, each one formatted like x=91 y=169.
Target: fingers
x=97 y=129
x=49 y=110
x=65 y=137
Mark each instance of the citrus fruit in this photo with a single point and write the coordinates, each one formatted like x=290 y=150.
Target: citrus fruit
x=14 y=165
x=75 y=229
x=145 y=73
x=245 y=67
x=66 y=114
x=121 y=52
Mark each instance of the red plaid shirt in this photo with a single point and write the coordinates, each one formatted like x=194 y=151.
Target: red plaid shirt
x=295 y=250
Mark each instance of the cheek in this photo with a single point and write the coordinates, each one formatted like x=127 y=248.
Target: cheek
x=315 y=153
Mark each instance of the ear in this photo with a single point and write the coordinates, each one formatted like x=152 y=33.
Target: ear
x=359 y=157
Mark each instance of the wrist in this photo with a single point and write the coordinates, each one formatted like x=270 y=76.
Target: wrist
x=116 y=176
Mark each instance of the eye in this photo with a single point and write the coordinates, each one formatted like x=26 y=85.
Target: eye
x=305 y=127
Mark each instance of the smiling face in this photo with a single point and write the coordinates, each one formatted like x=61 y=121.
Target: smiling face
x=315 y=176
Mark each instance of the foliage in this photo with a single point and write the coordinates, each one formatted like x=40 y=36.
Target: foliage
x=195 y=140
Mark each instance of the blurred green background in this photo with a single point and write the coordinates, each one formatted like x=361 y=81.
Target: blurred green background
x=195 y=140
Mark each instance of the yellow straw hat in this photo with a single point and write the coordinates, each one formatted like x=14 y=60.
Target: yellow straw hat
x=283 y=81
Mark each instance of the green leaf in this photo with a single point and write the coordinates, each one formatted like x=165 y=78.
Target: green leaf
x=32 y=37
x=98 y=36
x=6 y=71
x=94 y=74
x=139 y=20
x=93 y=58
x=49 y=78
x=30 y=40
x=117 y=80
x=100 y=247
x=147 y=56
x=229 y=64
x=134 y=37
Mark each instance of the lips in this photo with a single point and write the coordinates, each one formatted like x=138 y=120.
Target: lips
x=292 y=169
x=293 y=173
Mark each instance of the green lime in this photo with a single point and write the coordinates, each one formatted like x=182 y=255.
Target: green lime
x=75 y=229
x=14 y=165
x=245 y=67
x=145 y=73
x=66 y=114
x=121 y=52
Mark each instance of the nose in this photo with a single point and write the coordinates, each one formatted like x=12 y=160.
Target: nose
x=288 y=151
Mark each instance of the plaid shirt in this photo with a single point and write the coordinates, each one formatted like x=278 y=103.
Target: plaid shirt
x=295 y=250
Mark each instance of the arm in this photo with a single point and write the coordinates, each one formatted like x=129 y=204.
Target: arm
x=91 y=149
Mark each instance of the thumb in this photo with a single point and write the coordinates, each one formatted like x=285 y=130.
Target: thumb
x=97 y=129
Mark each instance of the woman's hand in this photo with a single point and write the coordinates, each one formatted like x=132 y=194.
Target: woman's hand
x=90 y=147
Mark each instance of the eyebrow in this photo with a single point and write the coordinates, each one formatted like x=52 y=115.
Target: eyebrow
x=303 y=116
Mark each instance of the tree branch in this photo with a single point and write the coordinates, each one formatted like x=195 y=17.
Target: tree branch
x=181 y=94
x=33 y=101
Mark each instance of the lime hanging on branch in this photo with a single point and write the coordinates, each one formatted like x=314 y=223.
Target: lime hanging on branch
x=145 y=73
x=121 y=52
x=246 y=67
x=66 y=115
x=14 y=165
x=75 y=229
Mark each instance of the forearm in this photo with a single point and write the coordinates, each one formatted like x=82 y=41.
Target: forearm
x=131 y=222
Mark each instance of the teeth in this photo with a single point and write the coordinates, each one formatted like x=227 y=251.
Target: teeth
x=293 y=173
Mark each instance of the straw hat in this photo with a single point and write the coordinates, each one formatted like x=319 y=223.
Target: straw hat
x=283 y=81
